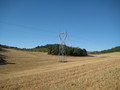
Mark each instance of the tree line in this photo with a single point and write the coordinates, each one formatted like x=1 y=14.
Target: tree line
x=70 y=51
x=115 y=49
x=53 y=49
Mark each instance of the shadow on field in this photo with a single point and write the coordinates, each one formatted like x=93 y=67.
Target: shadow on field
x=89 y=56
x=84 y=56
x=6 y=63
x=3 y=61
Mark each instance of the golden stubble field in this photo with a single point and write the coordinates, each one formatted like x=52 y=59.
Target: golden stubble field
x=39 y=71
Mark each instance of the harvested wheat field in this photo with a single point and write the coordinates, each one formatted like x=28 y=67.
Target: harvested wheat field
x=39 y=71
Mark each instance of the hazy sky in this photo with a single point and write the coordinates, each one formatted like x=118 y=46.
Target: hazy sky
x=91 y=24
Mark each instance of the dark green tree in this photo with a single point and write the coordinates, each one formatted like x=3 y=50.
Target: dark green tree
x=84 y=52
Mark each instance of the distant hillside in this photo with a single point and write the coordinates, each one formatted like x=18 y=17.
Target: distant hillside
x=115 y=49
x=38 y=48
x=53 y=49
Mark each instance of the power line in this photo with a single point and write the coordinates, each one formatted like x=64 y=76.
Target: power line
x=27 y=27
x=48 y=31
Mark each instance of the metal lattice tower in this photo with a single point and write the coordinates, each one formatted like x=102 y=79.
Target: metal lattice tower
x=62 y=50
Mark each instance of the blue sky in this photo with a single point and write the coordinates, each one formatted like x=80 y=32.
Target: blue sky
x=91 y=24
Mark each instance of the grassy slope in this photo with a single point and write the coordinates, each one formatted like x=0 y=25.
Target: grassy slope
x=39 y=71
x=115 y=49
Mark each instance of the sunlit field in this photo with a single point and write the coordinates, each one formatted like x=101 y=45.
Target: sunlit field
x=39 y=71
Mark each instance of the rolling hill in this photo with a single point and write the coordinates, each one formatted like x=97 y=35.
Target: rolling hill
x=52 y=49
x=28 y=70
x=115 y=49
